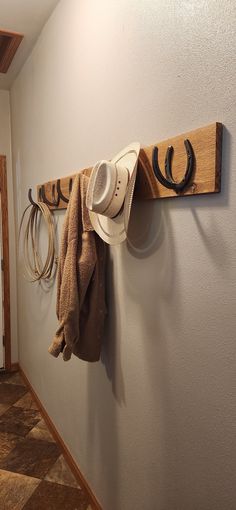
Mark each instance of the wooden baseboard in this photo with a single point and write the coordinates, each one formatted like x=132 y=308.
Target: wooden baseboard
x=68 y=457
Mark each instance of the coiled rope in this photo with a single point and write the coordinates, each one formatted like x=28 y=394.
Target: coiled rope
x=35 y=269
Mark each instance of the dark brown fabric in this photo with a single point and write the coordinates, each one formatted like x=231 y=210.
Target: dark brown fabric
x=81 y=305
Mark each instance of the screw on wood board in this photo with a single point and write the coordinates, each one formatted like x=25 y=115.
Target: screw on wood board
x=194 y=187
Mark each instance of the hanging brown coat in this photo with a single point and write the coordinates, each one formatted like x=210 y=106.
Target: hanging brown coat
x=81 y=305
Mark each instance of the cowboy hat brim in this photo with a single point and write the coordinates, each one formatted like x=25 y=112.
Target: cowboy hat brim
x=114 y=230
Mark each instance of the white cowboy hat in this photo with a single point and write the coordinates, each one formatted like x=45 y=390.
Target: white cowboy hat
x=110 y=193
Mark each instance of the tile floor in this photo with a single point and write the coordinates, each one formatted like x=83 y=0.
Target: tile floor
x=33 y=472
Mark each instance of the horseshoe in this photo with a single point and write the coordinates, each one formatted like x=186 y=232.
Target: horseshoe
x=168 y=181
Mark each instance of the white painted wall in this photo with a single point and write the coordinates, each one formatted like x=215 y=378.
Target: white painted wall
x=27 y=18
x=5 y=149
x=153 y=425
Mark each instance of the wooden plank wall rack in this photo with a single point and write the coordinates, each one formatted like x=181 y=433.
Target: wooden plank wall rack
x=203 y=169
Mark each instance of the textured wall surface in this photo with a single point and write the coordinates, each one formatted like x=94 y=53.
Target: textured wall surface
x=24 y=17
x=152 y=426
x=5 y=149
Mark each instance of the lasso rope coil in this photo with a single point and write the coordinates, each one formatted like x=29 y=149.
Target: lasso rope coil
x=35 y=269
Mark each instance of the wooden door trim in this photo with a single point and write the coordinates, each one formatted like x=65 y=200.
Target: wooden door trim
x=6 y=266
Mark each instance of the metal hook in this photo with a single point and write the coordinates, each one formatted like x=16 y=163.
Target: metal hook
x=60 y=194
x=46 y=201
x=168 y=181
x=31 y=198
x=70 y=185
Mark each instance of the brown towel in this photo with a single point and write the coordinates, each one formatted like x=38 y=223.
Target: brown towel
x=81 y=305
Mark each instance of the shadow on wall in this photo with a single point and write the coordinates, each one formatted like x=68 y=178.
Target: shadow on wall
x=110 y=357
x=103 y=419
x=146 y=235
x=155 y=293
x=102 y=413
x=212 y=238
x=154 y=285
x=146 y=229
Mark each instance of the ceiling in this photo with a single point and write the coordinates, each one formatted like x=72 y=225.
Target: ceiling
x=27 y=17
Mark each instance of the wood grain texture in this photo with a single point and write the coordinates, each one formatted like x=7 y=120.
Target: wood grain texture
x=207 y=146
x=206 y=143
x=9 y=43
x=64 y=184
x=5 y=255
x=71 y=462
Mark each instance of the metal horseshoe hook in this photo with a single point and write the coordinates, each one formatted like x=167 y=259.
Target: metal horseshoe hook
x=31 y=198
x=44 y=198
x=168 y=181
x=59 y=192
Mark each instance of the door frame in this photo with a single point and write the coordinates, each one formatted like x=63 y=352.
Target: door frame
x=5 y=267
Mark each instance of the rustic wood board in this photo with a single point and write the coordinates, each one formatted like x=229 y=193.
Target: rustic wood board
x=206 y=143
x=64 y=185
x=207 y=146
